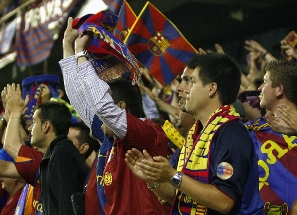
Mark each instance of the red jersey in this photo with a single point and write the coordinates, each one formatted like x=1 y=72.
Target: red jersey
x=125 y=193
x=91 y=194
x=29 y=170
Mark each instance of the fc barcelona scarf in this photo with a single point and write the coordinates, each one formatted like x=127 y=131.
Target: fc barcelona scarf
x=31 y=86
x=194 y=159
x=105 y=147
x=21 y=203
x=109 y=56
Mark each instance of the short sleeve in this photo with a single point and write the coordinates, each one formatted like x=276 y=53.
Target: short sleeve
x=29 y=169
x=231 y=159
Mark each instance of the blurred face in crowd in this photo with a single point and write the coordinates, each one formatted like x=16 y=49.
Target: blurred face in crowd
x=45 y=93
x=268 y=93
x=72 y=134
x=185 y=122
x=184 y=82
x=9 y=184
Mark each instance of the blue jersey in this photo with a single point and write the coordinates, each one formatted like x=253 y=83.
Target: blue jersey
x=247 y=196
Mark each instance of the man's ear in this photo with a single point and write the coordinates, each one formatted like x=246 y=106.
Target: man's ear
x=83 y=148
x=46 y=126
x=280 y=91
x=122 y=105
x=213 y=89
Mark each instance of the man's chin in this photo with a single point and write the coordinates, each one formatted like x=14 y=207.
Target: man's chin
x=261 y=104
x=33 y=145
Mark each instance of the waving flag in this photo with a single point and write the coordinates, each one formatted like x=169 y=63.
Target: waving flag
x=158 y=45
x=126 y=20
x=114 y=6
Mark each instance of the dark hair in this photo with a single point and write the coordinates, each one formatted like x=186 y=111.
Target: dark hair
x=123 y=90
x=84 y=136
x=284 y=73
x=58 y=115
x=222 y=70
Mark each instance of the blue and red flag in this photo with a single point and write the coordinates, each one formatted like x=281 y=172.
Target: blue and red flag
x=114 y=6
x=39 y=28
x=159 y=45
x=126 y=20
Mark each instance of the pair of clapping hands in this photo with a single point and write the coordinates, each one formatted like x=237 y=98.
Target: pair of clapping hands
x=13 y=102
x=286 y=123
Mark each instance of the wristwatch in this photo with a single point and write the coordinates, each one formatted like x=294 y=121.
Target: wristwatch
x=176 y=179
x=82 y=53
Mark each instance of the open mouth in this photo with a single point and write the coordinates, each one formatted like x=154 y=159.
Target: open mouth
x=260 y=96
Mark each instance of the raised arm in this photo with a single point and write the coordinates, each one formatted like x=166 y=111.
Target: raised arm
x=15 y=106
x=97 y=93
x=289 y=51
x=5 y=116
x=68 y=66
x=162 y=105
x=70 y=36
x=256 y=47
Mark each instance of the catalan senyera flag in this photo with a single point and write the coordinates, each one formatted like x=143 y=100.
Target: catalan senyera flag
x=125 y=22
x=159 y=45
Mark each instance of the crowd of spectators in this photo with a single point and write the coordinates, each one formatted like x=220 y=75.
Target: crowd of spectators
x=110 y=151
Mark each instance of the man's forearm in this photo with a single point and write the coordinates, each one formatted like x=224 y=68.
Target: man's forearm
x=13 y=140
x=3 y=125
x=164 y=106
x=206 y=194
x=165 y=191
x=74 y=90
x=68 y=49
x=97 y=95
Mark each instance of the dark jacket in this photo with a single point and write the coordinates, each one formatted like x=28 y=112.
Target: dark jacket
x=62 y=173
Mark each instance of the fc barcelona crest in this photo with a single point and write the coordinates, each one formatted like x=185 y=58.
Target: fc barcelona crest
x=158 y=44
x=107 y=178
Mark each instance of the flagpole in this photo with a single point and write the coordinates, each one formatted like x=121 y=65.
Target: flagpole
x=138 y=17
